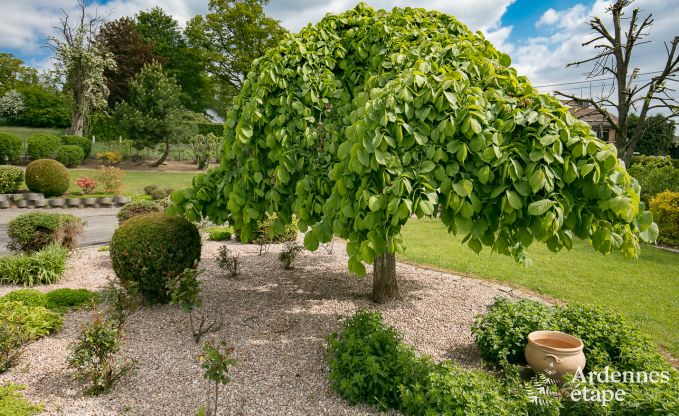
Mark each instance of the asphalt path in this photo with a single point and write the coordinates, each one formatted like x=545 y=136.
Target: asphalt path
x=100 y=223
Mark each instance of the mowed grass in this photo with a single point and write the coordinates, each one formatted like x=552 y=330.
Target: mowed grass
x=645 y=291
x=28 y=131
x=135 y=181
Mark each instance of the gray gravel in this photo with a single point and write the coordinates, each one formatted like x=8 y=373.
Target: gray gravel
x=276 y=319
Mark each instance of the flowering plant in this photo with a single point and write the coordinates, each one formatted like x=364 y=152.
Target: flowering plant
x=86 y=184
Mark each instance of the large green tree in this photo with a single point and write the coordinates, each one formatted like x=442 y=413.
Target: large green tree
x=230 y=36
x=13 y=73
x=180 y=60
x=130 y=51
x=153 y=114
x=657 y=137
x=372 y=117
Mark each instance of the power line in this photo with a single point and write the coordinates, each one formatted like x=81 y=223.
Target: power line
x=589 y=80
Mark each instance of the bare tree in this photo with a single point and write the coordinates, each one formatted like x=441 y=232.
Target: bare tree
x=80 y=62
x=613 y=56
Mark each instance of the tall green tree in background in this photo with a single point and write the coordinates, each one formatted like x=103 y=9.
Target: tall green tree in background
x=371 y=117
x=231 y=36
x=153 y=113
x=657 y=137
x=13 y=73
x=130 y=50
x=81 y=62
x=180 y=61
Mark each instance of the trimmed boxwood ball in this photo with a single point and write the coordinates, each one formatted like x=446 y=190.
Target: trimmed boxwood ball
x=147 y=249
x=48 y=177
x=70 y=155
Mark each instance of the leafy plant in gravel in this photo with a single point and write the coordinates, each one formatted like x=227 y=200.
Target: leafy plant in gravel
x=29 y=297
x=215 y=361
x=48 y=177
x=220 y=233
x=120 y=301
x=65 y=299
x=289 y=253
x=184 y=290
x=227 y=261
x=93 y=355
x=13 y=403
x=135 y=208
x=370 y=117
x=36 y=230
x=11 y=178
x=148 y=249
x=12 y=340
x=46 y=266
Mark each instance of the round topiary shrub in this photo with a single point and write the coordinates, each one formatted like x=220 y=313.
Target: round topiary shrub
x=70 y=155
x=11 y=148
x=137 y=208
x=148 y=249
x=83 y=142
x=48 y=177
x=34 y=231
x=11 y=178
x=42 y=146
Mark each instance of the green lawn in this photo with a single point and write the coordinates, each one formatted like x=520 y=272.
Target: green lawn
x=645 y=291
x=135 y=181
x=27 y=131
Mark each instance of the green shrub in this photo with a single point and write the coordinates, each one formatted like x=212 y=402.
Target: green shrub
x=42 y=146
x=655 y=175
x=13 y=403
x=35 y=321
x=150 y=188
x=43 y=107
x=34 y=231
x=135 y=208
x=104 y=128
x=207 y=128
x=289 y=253
x=147 y=249
x=64 y=299
x=29 y=297
x=43 y=267
x=263 y=233
x=11 y=178
x=48 y=177
x=11 y=148
x=82 y=142
x=70 y=155
x=665 y=209
x=12 y=340
x=220 y=233
x=369 y=363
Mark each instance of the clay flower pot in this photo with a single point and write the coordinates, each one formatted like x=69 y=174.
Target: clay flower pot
x=554 y=354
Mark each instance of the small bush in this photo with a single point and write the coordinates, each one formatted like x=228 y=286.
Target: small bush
x=93 y=355
x=109 y=158
x=11 y=178
x=158 y=194
x=655 y=175
x=48 y=177
x=11 y=148
x=70 y=155
x=86 y=184
x=665 y=209
x=43 y=267
x=215 y=361
x=219 y=233
x=35 y=321
x=121 y=302
x=12 y=340
x=13 y=403
x=66 y=299
x=289 y=254
x=36 y=230
x=227 y=261
x=149 y=188
x=147 y=249
x=111 y=179
x=29 y=297
x=135 y=208
x=42 y=146
x=82 y=142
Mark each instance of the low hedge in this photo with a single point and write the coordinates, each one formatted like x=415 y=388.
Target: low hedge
x=46 y=266
x=665 y=209
x=34 y=231
x=11 y=178
x=82 y=142
x=656 y=174
x=48 y=177
x=58 y=300
x=11 y=148
x=42 y=146
x=220 y=233
x=70 y=155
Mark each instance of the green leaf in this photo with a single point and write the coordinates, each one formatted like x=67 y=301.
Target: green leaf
x=310 y=241
x=427 y=166
x=420 y=138
x=514 y=200
x=539 y=207
x=374 y=203
x=475 y=125
x=380 y=156
x=475 y=245
x=463 y=188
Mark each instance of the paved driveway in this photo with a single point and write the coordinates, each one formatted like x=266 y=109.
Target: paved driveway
x=99 y=227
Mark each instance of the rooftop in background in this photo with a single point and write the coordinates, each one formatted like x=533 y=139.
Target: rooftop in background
x=599 y=124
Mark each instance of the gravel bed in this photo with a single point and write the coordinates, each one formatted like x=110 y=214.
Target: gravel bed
x=277 y=320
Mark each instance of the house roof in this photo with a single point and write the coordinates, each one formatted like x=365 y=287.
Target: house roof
x=586 y=112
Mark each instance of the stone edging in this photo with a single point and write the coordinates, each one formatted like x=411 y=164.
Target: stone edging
x=37 y=200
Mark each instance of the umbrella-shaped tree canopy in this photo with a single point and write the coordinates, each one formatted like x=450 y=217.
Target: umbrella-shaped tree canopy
x=369 y=118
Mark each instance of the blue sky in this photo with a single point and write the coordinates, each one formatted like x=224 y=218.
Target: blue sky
x=540 y=36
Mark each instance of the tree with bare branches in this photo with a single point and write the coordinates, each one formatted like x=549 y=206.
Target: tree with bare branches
x=80 y=63
x=613 y=56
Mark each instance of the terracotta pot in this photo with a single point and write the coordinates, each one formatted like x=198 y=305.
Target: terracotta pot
x=554 y=354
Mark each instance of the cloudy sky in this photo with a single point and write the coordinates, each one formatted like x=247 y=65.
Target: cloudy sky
x=540 y=36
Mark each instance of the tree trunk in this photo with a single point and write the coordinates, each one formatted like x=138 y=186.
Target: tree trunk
x=77 y=123
x=385 y=287
x=163 y=157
